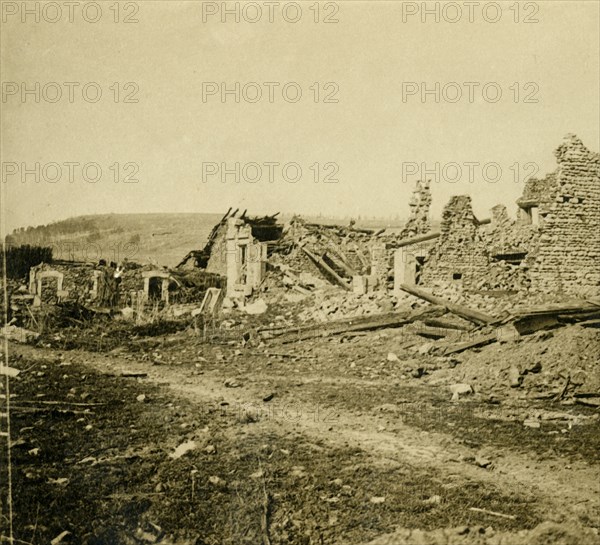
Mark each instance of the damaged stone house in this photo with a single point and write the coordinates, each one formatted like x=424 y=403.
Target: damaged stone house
x=553 y=245
x=139 y=286
x=237 y=250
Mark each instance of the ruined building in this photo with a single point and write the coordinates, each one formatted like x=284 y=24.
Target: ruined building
x=553 y=246
x=460 y=252
x=237 y=250
x=568 y=257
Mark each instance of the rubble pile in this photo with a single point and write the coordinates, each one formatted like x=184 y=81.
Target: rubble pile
x=333 y=305
x=560 y=363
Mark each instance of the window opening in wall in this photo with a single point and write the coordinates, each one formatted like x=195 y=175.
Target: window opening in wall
x=456 y=276
x=532 y=214
x=244 y=261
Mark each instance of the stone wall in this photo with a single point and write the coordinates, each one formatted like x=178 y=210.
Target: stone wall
x=460 y=254
x=555 y=250
x=418 y=222
x=568 y=257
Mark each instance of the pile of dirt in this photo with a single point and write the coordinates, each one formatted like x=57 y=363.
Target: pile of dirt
x=543 y=363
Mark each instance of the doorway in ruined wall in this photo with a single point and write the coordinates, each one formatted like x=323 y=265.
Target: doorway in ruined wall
x=155 y=289
x=49 y=292
x=418 y=271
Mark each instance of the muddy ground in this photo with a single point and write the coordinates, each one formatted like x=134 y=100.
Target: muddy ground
x=320 y=442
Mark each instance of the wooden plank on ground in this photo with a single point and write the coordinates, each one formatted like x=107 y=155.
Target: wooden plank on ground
x=530 y=324
x=436 y=332
x=370 y=323
x=475 y=343
x=441 y=322
x=460 y=310
x=569 y=307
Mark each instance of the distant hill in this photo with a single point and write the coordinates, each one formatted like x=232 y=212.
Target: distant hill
x=162 y=239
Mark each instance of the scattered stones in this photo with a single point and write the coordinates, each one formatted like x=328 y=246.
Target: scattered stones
x=217 y=481
x=60 y=538
x=482 y=461
x=535 y=367
x=257 y=307
x=460 y=389
x=532 y=423
x=514 y=377
x=182 y=449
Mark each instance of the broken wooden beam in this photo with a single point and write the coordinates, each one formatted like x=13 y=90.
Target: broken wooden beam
x=328 y=270
x=590 y=323
x=339 y=262
x=570 y=307
x=493 y=513
x=530 y=324
x=440 y=322
x=460 y=310
x=362 y=323
x=475 y=343
x=436 y=332
x=416 y=239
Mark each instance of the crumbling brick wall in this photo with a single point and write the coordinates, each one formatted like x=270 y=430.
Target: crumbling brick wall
x=568 y=256
x=511 y=245
x=459 y=254
x=418 y=222
x=381 y=263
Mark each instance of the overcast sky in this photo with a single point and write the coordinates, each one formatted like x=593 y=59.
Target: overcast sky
x=548 y=72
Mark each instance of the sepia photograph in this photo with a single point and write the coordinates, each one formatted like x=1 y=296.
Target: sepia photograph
x=301 y=272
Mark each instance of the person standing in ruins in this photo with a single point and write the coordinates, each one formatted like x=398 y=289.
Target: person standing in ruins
x=110 y=284
x=102 y=284
x=117 y=278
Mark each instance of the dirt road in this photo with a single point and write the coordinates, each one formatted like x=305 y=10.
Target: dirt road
x=387 y=455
